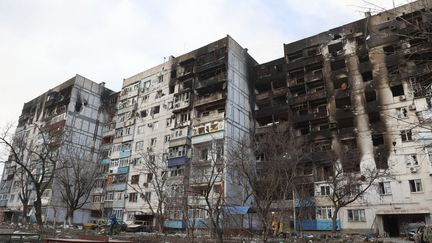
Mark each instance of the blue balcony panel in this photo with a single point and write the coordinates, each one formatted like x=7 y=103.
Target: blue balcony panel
x=177 y=161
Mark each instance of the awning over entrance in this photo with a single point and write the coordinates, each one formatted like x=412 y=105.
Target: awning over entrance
x=400 y=211
x=238 y=210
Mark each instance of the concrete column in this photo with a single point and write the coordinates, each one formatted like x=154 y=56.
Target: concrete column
x=358 y=104
x=384 y=94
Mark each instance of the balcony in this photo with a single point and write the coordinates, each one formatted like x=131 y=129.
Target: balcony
x=271 y=76
x=177 y=161
x=317 y=95
x=216 y=63
x=214 y=80
x=313 y=76
x=128 y=94
x=180 y=105
x=310 y=116
x=179 y=142
x=209 y=99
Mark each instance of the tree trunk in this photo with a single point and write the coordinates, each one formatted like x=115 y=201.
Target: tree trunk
x=70 y=216
x=334 y=220
x=25 y=212
x=38 y=212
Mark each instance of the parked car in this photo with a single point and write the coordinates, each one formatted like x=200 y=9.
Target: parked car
x=138 y=226
x=95 y=223
x=423 y=234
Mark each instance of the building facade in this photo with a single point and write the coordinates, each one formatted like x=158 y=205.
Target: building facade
x=362 y=87
x=76 y=108
x=162 y=143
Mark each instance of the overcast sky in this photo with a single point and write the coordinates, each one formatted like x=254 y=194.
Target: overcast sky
x=44 y=43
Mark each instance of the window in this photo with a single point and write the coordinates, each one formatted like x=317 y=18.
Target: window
x=204 y=154
x=167 y=138
x=406 y=135
x=356 y=215
x=135 y=179
x=146 y=196
x=411 y=159
x=168 y=122
x=139 y=145
x=325 y=190
x=416 y=185
x=155 y=110
x=109 y=196
x=133 y=197
x=153 y=142
x=324 y=212
x=149 y=177
x=384 y=188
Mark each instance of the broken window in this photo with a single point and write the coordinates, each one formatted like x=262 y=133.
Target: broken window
x=370 y=96
x=374 y=117
x=406 y=135
x=339 y=64
x=389 y=50
x=343 y=103
x=363 y=58
x=377 y=139
x=345 y=123
x=335 y=48
x=295 y=56
x=397 y=90
x=156 y=110
x=367 y=76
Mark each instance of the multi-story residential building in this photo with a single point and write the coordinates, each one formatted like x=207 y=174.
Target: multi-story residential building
x=363 y=87
x=189 y=103
x=79 y=108
x=360 y=87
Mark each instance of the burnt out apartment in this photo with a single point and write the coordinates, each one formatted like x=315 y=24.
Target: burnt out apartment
x=361 y=90
x=63 y=123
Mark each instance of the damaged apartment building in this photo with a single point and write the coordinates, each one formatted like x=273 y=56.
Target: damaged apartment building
x=362 y=88
x=171 y=129
x=77 y=110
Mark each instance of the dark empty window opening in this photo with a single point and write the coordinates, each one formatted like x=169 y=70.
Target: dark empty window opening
x=389 y=50
x=295 y=56
x=341 y=83
x=397 y=90
x=279 y=84
x=171 y=89
x=367 y=76
x=360 y=40
x=174 y=73
x=156 y=109
x=377 y=139
x=343 y=103
x=339 y=64
x=370 y=96
x=363 y=58
x=345 y=123
x=374 y=117
x=406 y=135
x=335 y=47
x=263 y=87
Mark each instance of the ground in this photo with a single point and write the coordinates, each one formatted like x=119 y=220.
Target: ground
x=60 y=232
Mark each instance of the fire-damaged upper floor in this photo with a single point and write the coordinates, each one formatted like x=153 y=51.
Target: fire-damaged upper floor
x=346 y=88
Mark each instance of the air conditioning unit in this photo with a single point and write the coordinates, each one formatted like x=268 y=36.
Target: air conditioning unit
x=402 y=98
x=145 y=184
x=413 y=170
x=412 y=107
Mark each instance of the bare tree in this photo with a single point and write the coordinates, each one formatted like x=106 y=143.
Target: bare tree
x=155 y=166
x=347 y=184
x=42 y=150
x=76 y=179
x=206 y=183
x=266 y=168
